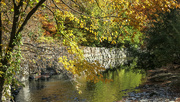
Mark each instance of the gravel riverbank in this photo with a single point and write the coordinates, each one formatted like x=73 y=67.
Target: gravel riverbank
x=162 y=85
x=152 y=93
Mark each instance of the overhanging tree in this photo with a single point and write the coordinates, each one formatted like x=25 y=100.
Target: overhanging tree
x=130 y=17
x=13 y=18
x=15 y=14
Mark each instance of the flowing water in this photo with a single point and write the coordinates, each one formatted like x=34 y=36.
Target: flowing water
x=57 y=89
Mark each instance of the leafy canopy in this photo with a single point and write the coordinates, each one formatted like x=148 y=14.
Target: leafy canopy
x=94 y=21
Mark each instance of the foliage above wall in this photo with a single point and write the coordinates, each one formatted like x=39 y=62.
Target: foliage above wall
x=96 y=22
x=78 y=22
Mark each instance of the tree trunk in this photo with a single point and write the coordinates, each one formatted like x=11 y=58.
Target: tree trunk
x=1 y=86
x=14 y=32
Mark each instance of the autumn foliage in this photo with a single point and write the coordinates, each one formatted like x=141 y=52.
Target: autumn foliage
x=94 y=21
x=79 y=22
x=50 y=29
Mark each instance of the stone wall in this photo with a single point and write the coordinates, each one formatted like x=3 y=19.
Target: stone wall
x=108 y=57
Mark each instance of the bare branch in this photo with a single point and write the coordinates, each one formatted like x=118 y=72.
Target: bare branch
x=14 y=2
x=7 y=16
x=57 y=6
x=29 y=15
x=53 y=14
x=71 y=7
x=0 y=33
x=92 y=16
x=27 y=5
x=75 y=3
x=50 y=10
x=28 y=44
x=20 y=4
x=82 y=4
x=28 y=51
x=98 y=5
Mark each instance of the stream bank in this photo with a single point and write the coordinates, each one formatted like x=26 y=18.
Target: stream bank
x=57 y=89
x=162 y=85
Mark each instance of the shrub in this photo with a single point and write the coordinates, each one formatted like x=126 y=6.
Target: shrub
x=164 y=38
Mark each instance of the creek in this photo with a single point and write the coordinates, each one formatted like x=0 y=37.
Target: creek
x=57 y=89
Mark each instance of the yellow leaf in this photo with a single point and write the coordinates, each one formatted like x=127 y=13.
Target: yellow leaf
x=113 y=42
x=109 y=38
x=3 y=3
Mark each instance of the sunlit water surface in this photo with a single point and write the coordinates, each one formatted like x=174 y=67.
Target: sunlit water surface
x=58 y=90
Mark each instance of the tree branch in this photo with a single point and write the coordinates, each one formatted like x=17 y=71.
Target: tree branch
x=71 y=7
x=29 y=15
x=14 y=2
x=53 y=14
x=98 y=5
x=57 y=6
x=20 y=4
x=75 y=3
x=14 y=26
x=92 y=16
x=0 y=33
x=26 y=5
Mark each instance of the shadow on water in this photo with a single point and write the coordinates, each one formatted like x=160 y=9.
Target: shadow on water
x=125 y=79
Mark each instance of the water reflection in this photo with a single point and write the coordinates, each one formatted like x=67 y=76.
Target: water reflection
x=56 y=90
x=53 y=90
x=124 y=81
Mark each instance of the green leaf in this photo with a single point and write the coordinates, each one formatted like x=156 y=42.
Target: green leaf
x=1 y=73
x=12 y=10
